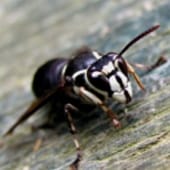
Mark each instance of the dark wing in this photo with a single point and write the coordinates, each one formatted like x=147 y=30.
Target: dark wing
x=37 y=104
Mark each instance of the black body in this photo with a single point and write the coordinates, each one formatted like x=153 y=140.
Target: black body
x=48 y=76
x=51 y=74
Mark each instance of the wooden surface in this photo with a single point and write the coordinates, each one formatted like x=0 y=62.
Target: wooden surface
x=32 y=32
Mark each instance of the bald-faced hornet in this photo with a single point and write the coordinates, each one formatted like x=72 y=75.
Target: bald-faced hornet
x=84 y=82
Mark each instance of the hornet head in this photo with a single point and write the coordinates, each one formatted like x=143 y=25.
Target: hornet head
x=109 y=75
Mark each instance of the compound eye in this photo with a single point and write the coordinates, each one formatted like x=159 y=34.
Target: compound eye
x=122 y=66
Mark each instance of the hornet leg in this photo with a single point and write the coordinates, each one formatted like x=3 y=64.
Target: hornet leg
x=68 y=109
x=161 y=60
x=86 y=94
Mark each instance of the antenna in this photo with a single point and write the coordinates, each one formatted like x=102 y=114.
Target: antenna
x=140 y=36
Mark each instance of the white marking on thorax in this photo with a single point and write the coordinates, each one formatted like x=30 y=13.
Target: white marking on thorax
x=78 y=73
x=96 y=54
x=63 y=71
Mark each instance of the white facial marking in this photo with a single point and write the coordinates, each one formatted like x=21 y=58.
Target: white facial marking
x=123 y=78
x=114 y=85
x=108 y=68
x=96 y=54
x=120 y=96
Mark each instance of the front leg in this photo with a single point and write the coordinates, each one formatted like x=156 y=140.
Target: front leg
x=87 y=94
x=161 y=60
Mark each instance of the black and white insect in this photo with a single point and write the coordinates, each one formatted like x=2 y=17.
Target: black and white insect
x=87 y=80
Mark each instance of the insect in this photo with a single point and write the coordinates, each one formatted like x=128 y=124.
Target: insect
x=84 y=82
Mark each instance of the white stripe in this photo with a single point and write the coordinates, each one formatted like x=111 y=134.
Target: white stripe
x=114 y=85
x=108 y=68
x=90 y=96
x=129 y=89
x=96 y=54
x=93 y=87
x=63 y=71
x=78 y=73
x=122 y=77
x=76 y=143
